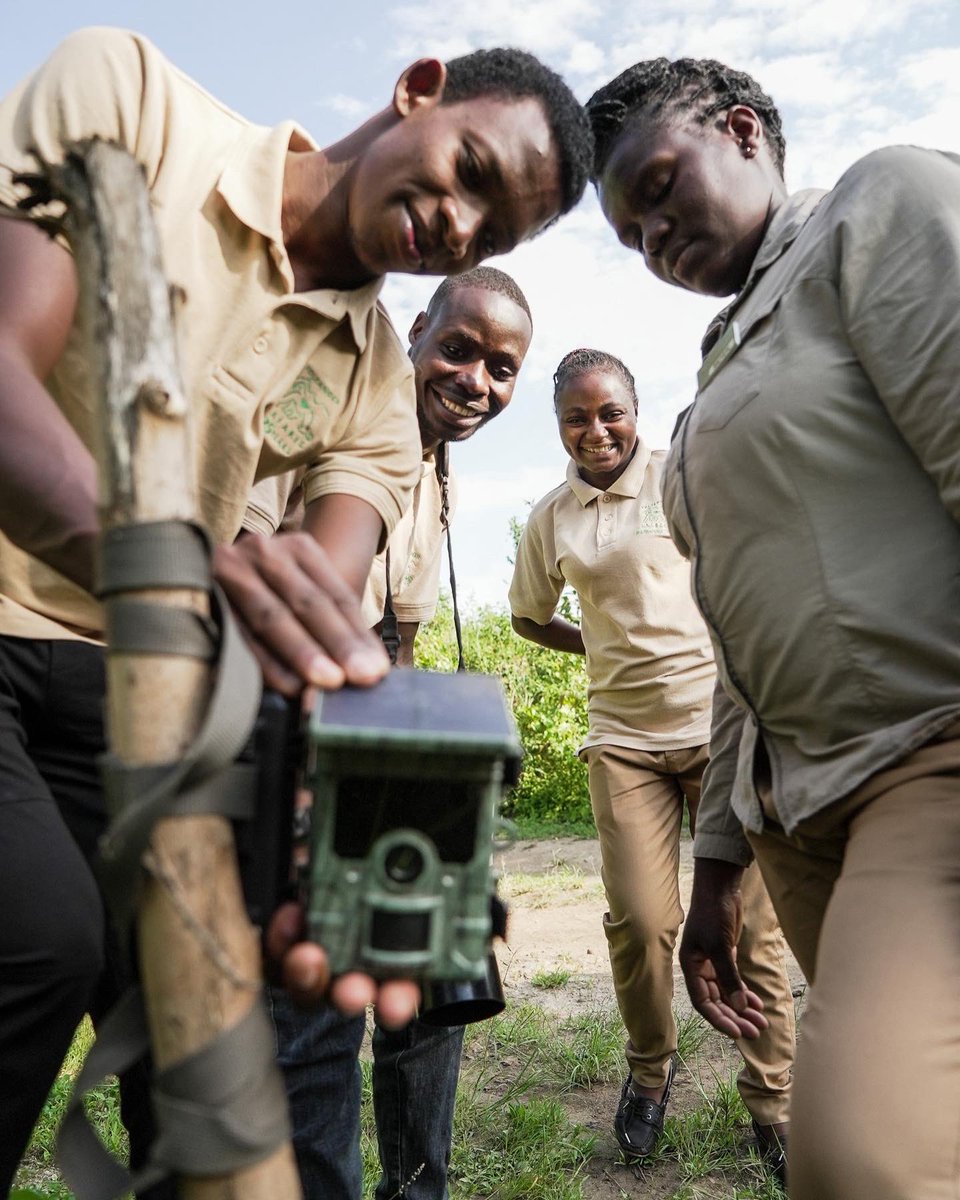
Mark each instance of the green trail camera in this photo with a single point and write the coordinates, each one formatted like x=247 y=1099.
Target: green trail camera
x=407 y=779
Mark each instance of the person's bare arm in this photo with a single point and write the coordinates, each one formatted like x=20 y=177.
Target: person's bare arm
x=349 y=530
x=557 y=634
x=297 y=596
x=48 y=478
x=408 y=631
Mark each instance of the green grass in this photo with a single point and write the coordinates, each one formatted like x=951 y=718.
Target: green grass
x=549 y=980
x=513 y=1137
x=37 y=1176
x=563 y=881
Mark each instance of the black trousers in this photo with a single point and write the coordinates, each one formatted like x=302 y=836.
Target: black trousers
x=57 y=958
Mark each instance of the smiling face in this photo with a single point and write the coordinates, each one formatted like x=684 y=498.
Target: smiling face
x=693 y=200
x=597 y=419
x=449 y=185
x=466 y=357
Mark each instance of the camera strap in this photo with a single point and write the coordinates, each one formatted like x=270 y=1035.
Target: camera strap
x=390 y=628
x=443 y=479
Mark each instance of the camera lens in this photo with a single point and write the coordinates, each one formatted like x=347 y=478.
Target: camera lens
x=403 y=863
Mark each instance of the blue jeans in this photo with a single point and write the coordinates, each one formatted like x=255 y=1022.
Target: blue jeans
x=415 y=1073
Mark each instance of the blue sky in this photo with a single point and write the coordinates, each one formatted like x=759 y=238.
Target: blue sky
x=848 y=75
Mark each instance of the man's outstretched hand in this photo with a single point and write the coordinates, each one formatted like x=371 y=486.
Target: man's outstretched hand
x=300 y=616
x=301 y=968
x=708 y=952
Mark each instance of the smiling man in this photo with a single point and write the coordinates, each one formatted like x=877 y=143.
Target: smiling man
x=288 y=360
x=466 y=350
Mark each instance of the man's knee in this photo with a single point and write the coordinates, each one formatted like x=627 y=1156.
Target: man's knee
x=640 y=930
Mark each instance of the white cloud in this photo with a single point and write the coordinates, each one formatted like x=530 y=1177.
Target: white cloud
x=546 y=27
x=584 y=58
x=349 y=106
x=814 y=82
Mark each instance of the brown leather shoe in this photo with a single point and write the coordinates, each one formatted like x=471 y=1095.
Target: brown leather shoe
x=772 y=1147
x=639 y=1120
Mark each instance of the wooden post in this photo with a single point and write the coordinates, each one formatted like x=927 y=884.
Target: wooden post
x=156 y=702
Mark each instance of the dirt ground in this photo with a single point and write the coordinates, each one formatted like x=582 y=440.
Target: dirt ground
x=555 y=924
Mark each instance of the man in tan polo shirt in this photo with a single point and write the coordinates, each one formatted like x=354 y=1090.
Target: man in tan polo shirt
x=288 y=359
x=651 y=677
x=467 y=349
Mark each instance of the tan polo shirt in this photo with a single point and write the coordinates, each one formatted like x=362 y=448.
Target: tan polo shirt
x=416 y=544
x=649 y=661
x=815 y=483
x=278 y=378
x=416 y=554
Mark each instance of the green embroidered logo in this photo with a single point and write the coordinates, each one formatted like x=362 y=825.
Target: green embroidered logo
x=289 y=424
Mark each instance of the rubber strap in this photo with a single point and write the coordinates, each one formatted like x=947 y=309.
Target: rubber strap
x=220 y=1110
x=153 y=554
x=140 y=796
x=136 y=627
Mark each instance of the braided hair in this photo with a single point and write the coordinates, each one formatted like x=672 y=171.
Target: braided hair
x=695 y=87
x=583 y=361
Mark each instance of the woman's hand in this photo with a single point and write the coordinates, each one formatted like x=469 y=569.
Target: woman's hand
x=708 y=952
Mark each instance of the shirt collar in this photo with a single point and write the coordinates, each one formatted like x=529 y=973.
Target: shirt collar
x=629 y=484
x=251 y=185
x=782 y=232
x=783 y=229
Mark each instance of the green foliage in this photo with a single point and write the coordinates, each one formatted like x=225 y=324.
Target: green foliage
x=547 y=691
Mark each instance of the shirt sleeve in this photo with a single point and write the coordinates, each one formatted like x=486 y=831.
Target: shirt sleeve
x=416 y=576
x=104 y=83
x=275 y=501
x=537 y=581
x=898 y=238
x=719 y=832
x=417 y=601
x=376 y=453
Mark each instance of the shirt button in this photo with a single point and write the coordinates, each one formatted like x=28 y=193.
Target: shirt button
x=606 y=499
x=260 y=344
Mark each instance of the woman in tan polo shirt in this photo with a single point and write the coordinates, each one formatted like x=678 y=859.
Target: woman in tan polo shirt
x=651 y=678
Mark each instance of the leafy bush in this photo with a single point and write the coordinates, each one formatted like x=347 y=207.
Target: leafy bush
x=548 y=694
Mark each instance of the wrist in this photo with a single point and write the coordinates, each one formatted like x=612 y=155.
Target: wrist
x=716 y=876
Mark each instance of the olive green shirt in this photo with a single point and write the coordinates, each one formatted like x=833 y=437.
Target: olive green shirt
x=815 y=484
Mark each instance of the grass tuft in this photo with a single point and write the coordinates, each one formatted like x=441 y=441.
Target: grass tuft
x=549 y=980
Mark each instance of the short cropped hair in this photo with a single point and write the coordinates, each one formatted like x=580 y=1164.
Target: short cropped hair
x=514 y=74
x=695 y=87
x=583 y=362
x=488 y=278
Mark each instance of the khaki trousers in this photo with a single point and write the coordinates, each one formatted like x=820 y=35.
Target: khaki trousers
x=637 y=798
x=868 y=893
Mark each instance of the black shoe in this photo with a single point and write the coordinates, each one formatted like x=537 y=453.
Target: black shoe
x=772 y=1148
x=639 y=1121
